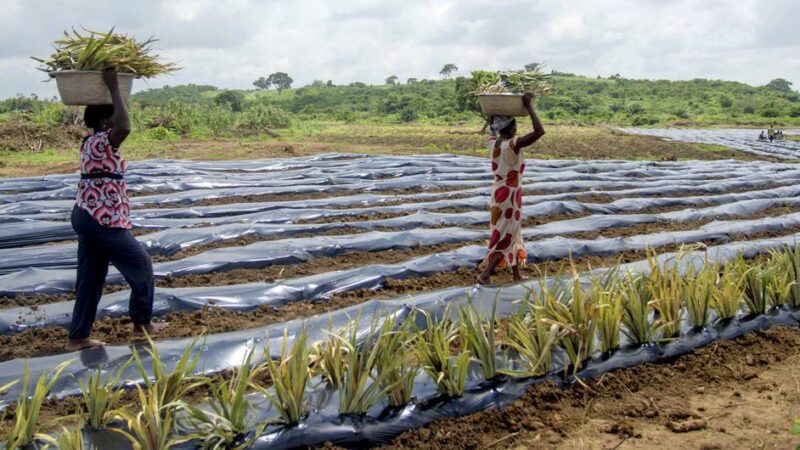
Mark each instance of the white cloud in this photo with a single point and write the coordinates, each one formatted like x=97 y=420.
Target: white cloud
x=229 y=43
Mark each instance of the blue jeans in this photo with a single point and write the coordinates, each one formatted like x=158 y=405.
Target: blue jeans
x=97 y=247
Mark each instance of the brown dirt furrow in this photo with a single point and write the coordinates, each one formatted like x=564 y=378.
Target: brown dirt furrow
x=579 y=195
x=731 y=395
x=311 y=267
x=658 y=227
x=310 y=196
x=134 y=194
x=271 y=273
x=251 y=239
x=378 y=215
x=592 y=197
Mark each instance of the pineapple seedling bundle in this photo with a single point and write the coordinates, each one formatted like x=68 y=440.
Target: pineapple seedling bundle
x=78 y=59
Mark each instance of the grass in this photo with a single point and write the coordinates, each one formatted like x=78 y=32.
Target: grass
x=711 y=148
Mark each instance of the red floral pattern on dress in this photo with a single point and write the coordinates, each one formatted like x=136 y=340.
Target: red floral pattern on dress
x=506 y=234
x=105 y=199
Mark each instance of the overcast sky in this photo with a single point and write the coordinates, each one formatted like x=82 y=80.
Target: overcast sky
x=230 y=43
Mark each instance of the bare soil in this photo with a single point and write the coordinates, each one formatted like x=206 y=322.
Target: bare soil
x=250 y=239
x=312 y=196
x=729 y=395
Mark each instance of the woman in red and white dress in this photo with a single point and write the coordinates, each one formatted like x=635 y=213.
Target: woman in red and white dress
x=101 y=219
x=506 y=247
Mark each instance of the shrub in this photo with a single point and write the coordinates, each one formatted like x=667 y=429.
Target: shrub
x=681 y=113
x=160 y=133
x=638 y=121
x=408 y=115
x=232 y=99
x=636 y=108
x=771 y=112
x=261 y=116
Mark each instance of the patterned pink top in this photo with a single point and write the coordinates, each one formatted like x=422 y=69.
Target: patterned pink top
x=105 y=199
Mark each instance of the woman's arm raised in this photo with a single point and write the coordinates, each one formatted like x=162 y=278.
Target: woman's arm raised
x=122 y=123
x=538 y=129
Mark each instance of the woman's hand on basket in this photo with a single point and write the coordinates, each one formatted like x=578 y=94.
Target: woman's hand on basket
x=110 y=78
x=526 y=99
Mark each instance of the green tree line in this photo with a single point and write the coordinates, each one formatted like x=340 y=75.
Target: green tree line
x=576 y=99
x=206 y=111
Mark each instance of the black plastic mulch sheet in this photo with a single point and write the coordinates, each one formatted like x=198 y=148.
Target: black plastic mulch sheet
x=384 y=422
x=331 y=171
x=368 y=173
x=739 y=139
x=226 y=350
x=257 y=255
x=248 y=296
x=555 y=190
x=15 y=231
x=48 y=269
x=38 y=203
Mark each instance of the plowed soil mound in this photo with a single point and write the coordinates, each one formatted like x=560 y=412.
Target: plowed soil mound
x=730 y=395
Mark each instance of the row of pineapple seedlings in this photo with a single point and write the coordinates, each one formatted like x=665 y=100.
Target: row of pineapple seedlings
x=645 y=309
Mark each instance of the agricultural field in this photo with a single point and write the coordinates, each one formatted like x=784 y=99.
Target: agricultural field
x=339 y=261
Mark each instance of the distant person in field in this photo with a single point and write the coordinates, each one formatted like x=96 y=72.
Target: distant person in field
x=771 y=132
x=101 y=220
x=506 y=247
x=762 y=136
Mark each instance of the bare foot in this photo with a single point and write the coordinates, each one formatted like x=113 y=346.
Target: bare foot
x=150 y=329
x=518 y=278
x=74 y=345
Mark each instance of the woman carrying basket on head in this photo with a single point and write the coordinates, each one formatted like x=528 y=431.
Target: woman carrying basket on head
x=101 y=220
x=506 y=247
